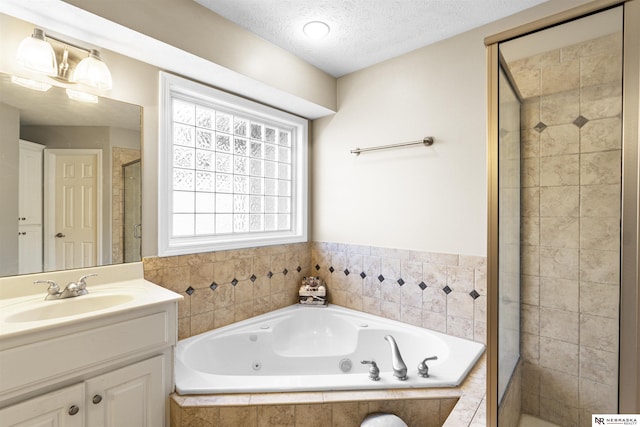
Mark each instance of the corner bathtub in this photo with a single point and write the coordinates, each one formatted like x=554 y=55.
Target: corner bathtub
x=300 y=348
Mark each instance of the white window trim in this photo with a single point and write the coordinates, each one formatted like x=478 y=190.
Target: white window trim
x=169 y=246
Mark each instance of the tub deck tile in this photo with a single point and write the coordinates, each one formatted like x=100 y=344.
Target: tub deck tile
x=213 y=400
x=285 y=398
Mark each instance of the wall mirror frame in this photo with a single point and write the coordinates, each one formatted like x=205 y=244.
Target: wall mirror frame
x=55 y=122
x=628 y=384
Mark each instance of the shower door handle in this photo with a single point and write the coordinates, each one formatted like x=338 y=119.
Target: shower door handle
x=137 y=231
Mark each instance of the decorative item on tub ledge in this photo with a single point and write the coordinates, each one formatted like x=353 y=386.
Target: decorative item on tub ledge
x=313 y=291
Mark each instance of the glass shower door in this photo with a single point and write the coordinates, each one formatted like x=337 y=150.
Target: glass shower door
x=508 y=232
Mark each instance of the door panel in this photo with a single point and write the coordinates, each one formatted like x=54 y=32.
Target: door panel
x=76 y=231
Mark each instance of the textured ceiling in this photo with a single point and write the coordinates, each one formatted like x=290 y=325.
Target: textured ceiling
x=363 y=32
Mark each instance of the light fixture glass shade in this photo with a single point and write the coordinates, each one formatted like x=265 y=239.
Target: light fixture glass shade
x=77 y=95
x=35 y=53
x=93 y=72
x=31 y=84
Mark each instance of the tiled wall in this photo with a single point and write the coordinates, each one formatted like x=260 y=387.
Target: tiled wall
x=119 y=157
x=571 y=181
x=223 y=287
x=443 y=292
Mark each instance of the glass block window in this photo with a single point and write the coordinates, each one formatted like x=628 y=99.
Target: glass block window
x=233 y=172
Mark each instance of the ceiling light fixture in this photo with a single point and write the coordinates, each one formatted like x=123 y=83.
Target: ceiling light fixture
x=37 y=54
x=316 y=29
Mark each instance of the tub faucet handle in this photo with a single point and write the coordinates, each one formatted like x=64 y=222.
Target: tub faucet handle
x=374 y=371
x=423 y=369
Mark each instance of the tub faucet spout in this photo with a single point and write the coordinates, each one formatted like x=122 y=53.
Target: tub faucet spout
x=399 y=368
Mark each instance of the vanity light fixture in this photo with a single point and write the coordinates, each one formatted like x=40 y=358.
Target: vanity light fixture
x=37 y=54
x=31 y=84
x=92 y=71
x=316 y=29
x=78 y=95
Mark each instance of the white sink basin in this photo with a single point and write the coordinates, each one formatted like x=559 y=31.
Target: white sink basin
x=47 y=310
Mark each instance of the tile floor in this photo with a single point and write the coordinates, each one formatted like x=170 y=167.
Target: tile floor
x=531 y=421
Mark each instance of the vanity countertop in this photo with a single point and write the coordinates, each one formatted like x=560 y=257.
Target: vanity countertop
x=116 y=290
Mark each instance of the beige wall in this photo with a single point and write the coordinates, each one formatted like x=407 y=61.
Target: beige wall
x=9 y=154
x=414 y=198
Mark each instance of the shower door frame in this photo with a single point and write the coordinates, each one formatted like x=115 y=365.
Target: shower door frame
x=629 y=351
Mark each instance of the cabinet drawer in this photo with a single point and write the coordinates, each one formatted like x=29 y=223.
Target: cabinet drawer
x=38 y=362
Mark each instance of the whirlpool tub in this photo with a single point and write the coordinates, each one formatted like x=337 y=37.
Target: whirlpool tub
x=300 y=348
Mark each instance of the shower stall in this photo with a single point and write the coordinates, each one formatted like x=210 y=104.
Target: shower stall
x=132 y=212
x=563 y=217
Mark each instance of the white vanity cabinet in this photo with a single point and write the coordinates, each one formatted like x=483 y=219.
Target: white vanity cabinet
x=61 y=408
x=130 y=396
x=78 y=363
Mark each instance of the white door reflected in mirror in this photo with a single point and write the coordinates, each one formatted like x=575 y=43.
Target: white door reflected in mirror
x=72 y=208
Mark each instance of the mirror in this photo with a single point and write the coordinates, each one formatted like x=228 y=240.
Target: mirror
x=46 y=141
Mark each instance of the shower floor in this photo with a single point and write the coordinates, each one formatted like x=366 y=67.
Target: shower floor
x=531 y=421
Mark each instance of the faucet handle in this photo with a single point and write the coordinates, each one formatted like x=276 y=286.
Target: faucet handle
x=423 y=369
x=374 y=371
x=82 y=283
x=52 y=290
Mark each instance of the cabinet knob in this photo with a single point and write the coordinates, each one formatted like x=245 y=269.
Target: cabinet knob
x=73 y=410
x=96 y=399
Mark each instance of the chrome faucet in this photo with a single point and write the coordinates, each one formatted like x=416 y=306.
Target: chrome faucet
x=399 y=368
x=73 y=289
x=53 y=291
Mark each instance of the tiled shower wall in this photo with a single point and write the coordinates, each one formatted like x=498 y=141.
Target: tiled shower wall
x=570 y=229
x=119 y=157
x=444 y=292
